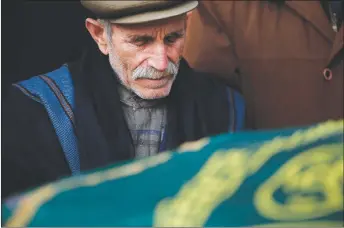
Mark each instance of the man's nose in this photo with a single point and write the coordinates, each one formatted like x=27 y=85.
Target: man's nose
x=159 y=59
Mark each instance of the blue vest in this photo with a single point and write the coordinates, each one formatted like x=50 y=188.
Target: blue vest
x=55 y=92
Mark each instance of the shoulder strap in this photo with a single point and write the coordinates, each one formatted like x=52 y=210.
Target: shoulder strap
x=56 y=93
x=236 y=110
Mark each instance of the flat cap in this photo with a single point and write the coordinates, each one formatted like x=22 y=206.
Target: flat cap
x=133 y=12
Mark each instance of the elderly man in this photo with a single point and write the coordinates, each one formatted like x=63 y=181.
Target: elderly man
x=132 y=97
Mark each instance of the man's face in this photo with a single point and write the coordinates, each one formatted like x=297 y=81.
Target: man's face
x=146 y=57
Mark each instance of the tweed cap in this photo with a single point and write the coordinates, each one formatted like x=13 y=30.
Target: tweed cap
x=133 y=12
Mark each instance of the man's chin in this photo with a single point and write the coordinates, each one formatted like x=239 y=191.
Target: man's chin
x=153 y=94
x=152 y=91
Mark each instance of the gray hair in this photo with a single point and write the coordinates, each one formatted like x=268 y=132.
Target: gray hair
x=107 y=26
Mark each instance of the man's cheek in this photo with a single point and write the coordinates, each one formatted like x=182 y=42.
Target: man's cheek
x=181 y=47
x=177 y=51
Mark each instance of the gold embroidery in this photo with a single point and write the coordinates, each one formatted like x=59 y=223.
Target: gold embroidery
x=223 y=174
x=193 y=146
x=29 y=205
x=311 y=183
x=298 y=138
x=198 y=198
x=32 y=202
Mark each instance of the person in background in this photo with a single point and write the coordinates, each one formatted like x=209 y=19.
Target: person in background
x=286 y=57
x=130 y=96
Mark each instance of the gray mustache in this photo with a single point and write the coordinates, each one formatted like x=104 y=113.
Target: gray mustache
x=152 y=73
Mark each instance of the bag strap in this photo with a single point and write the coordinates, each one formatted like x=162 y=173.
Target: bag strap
x=236 y=110
x=56 y=93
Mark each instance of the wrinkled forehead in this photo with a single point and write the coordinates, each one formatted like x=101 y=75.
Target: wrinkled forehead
x=160 y=26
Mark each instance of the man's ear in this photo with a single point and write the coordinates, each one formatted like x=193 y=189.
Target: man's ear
x=98 y=33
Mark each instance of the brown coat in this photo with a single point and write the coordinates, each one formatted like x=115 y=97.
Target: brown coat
x=276 y=55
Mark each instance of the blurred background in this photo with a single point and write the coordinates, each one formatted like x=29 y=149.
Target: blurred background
x=38 y=36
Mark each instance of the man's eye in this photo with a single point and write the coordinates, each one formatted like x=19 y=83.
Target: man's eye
x=141 y=41
x=173 y=38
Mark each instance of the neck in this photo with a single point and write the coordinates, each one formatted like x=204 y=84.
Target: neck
x=129 y=98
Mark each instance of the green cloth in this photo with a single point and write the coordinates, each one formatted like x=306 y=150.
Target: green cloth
x=291 y=177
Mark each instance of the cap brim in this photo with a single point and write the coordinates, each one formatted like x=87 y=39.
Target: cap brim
x=157 y=15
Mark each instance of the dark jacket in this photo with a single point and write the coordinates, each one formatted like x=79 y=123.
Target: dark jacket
x=197 y=107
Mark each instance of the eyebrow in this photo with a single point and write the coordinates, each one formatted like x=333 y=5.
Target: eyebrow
x=178 y=32
x=133 y=37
